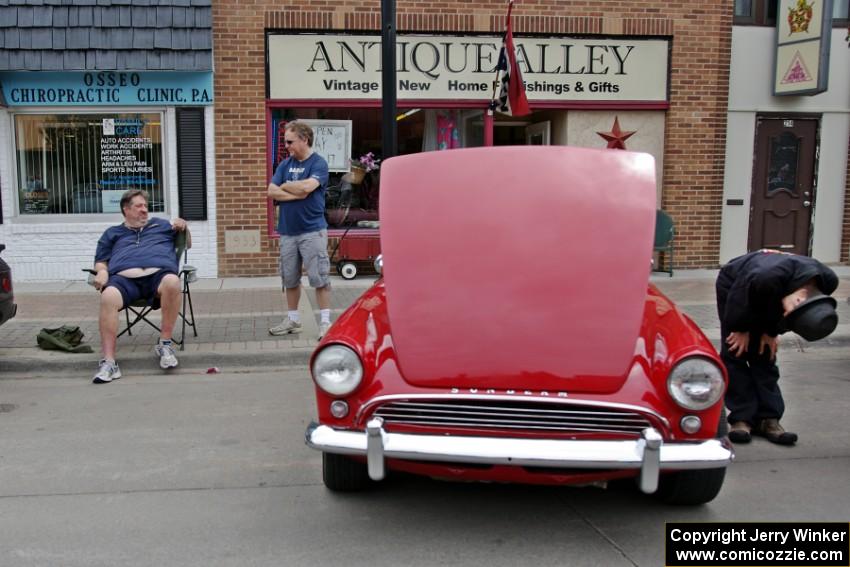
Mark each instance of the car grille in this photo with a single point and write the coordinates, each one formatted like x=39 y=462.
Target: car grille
x=519 y=415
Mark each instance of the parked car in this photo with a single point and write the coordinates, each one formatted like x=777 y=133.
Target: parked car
x=8 y=308
x=514 y=335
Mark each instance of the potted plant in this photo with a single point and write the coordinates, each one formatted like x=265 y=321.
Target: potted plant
x=363 y=165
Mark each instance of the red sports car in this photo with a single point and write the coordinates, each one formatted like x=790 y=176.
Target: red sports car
x=514 y=336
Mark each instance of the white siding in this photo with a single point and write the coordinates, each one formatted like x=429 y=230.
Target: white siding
x=48 y=249
x=750 y=92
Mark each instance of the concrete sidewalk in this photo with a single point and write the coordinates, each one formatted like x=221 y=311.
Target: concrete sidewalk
x=234 y=315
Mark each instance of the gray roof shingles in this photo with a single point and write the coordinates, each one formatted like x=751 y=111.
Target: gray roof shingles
x=25 y=17
x=111 y=17
x=42 y=16
x=57 y=35
x=142 y=39
x=164 y=17
x=85 y=15
x=43 y=38
x=60 y=17
x=13 y=38
x=8 y=16
x=51 y=60
x=58 y=38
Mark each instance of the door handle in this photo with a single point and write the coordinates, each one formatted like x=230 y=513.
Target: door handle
x=807 y=203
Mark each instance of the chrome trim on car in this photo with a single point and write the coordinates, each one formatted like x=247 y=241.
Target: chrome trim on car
x=521 y=415
x=375 y=443
x=366 y=408
x=649 y=453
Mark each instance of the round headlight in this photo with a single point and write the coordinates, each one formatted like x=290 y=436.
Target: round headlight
x=337 y=370
x=695 y=383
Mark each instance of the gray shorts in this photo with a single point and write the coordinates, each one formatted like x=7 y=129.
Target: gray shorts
x=308 y=250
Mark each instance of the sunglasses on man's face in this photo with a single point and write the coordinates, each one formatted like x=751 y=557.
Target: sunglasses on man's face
x=289 y=142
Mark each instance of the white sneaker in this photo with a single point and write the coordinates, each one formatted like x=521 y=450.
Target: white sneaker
x=286 y=327
x=323 y=329
x=167 y=357
x=106 y=372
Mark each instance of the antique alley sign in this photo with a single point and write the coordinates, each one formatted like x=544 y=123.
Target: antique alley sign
x=803 y=30
x=437 y=67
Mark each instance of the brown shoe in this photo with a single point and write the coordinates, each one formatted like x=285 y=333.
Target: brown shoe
x=740 y=432
x=775 y=433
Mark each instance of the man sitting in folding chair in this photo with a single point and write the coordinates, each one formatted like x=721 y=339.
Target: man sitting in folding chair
x=136 y=260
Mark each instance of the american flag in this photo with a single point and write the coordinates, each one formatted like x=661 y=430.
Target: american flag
x=511 y=98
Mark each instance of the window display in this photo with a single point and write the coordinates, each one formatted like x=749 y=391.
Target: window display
x=82 y=163
x=351 y=200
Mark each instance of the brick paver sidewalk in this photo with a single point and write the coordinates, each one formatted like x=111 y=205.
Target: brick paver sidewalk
x=233 y=318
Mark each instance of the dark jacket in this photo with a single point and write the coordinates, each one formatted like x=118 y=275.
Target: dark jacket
x=750 y=289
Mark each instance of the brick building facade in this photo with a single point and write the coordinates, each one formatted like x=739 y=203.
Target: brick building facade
x=692 y=138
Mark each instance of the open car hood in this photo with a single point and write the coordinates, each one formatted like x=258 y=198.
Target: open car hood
x=517 y=267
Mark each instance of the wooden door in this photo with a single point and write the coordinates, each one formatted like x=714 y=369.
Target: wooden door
x=783 y=184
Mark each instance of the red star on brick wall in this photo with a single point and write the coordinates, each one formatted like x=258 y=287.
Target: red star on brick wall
x=616 y=138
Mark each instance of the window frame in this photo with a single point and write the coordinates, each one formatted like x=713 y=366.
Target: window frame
x=86 y=218
x=842 y=22
x=759 y=16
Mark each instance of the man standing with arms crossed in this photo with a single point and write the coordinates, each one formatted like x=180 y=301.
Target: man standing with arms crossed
x=298 y=187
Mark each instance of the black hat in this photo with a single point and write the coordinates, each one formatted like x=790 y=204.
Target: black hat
x=813 y=319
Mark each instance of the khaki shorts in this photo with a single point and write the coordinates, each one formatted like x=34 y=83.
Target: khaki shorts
x=308 y=251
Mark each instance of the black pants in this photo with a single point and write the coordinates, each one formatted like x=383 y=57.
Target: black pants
x=753 y=393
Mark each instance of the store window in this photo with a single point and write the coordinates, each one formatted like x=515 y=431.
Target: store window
x=351 y=200
x=840 y=13
x=756 y=12
x=81 y=163
x=763 y=12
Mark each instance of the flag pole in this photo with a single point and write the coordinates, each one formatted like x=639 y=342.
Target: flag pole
x=489 y=114
x=498 y=71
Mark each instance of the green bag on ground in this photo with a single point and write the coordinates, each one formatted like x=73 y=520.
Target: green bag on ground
x=66 y=337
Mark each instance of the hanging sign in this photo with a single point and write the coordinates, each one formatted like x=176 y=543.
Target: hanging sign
x=803 y=30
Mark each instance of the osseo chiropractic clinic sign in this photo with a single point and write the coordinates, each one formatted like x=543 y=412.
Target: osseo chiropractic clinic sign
x=107 y=88
x=315 y=66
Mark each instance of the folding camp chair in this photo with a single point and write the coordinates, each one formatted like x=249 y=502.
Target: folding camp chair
x=140 y=308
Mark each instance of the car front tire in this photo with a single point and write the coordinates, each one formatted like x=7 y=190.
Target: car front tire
x=343 y=474
x=690 y=488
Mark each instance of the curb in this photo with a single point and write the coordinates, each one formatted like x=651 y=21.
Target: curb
x=32 y=362
x=38 y=363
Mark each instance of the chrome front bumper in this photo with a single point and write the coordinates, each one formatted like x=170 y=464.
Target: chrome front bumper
x=649 y=453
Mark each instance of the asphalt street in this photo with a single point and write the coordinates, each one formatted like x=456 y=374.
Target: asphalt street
x=211 y=469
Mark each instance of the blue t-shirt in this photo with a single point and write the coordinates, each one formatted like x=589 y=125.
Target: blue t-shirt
x=303 y=215
x=151 y=246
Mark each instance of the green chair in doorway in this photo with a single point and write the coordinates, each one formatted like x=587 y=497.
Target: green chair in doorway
x=664 y=235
